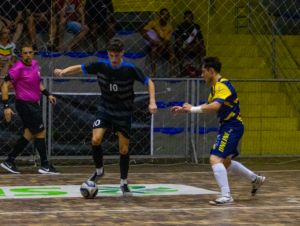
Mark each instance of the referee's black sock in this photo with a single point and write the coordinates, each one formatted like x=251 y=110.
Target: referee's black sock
x=17 y=149
x=98 y=156
x=40 y=145
x=124 y=165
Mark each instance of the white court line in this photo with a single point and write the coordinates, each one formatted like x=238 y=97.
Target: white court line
x=151 y=210
x=77 y=174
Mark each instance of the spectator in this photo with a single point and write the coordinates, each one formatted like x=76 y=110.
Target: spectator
x=11 y=17
x=40 y=13
x=67 y=10
x=7 y=56
x=97 y=20
x=189 y=40
x=157 y=35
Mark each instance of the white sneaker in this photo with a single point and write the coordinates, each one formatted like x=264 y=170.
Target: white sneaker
x=256 y=184
x=222 y=200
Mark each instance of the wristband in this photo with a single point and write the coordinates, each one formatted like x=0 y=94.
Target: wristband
x=46 y=93
x=196 y=110
x=5 y=103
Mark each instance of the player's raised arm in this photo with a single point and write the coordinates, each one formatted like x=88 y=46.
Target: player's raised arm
x=152 y=105
x=7 y=110
x=68 y=71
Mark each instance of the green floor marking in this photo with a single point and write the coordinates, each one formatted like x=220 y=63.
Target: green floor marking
x=2 y=193
x=37 y=193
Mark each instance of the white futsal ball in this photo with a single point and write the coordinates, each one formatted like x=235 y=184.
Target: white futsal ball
x=89 y=189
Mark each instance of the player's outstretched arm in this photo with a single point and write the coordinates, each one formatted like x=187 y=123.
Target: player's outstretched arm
x=204 y=108
x=68 y=71
x=7 y=110
x=151 y=90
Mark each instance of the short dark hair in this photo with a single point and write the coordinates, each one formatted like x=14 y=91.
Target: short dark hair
x=188 y=12
x=25 y=44
x=115 y=45
x=212 y=62
x=164 y=9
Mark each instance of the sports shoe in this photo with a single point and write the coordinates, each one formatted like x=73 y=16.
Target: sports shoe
x=256 y=184
x=96 y=177
x=11 y=167
x=221 y=201
x=126 y=190
x=49 y=169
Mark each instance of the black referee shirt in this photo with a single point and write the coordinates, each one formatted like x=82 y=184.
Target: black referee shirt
x=116 y=86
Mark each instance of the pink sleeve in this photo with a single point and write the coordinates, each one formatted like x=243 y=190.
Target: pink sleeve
x=14 y=73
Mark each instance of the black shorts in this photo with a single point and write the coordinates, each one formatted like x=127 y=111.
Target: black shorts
x=116 y=124
x=31 y=116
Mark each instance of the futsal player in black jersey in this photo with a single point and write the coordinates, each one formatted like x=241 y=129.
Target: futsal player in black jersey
x=116 y=79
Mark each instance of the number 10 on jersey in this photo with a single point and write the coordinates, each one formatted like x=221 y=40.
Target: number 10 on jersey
x=113 y=87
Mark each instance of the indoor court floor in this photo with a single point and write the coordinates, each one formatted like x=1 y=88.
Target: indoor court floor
x=277 y=203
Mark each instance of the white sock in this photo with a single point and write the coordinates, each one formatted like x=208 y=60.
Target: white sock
x=99 y=171
x=238 y=169
x=123 y=181
x=221 y=176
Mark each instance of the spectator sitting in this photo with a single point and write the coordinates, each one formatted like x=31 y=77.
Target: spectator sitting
x=69 y=20
x=157 y=35
x=7 y=56
x=97 y=19
x=40 y=13
x=189 y=40
x=11 y=15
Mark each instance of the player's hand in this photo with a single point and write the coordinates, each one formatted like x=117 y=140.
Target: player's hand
x=178 y=110
x=7 y=113
x=59 y=72
x=52 y=99
x=153 y=108
x=187 y=107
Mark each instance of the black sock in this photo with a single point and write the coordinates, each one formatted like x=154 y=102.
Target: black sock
x=98 y=156
x=124 y=165
x=40 y=145
x=17 y=149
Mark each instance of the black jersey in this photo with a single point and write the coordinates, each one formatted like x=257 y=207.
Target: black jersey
x=116 y=86
x=184 y=32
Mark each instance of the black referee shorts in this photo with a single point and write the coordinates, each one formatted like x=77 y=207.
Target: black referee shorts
x=116 y=124
x=31 y=116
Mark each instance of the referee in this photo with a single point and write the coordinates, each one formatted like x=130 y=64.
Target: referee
x=116 y=79
x=26 y=79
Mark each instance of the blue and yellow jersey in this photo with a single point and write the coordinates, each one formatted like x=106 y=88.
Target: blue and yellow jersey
x=223 y=92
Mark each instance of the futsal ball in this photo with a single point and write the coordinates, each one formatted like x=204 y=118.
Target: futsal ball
x=89 y=189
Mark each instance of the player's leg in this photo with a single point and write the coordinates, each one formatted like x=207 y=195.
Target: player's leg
x=124 y=163
x=240 y=170
x=97 y=152
x=9 y=163
x=40 y=145
x=220 y=173
x=224 y=146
